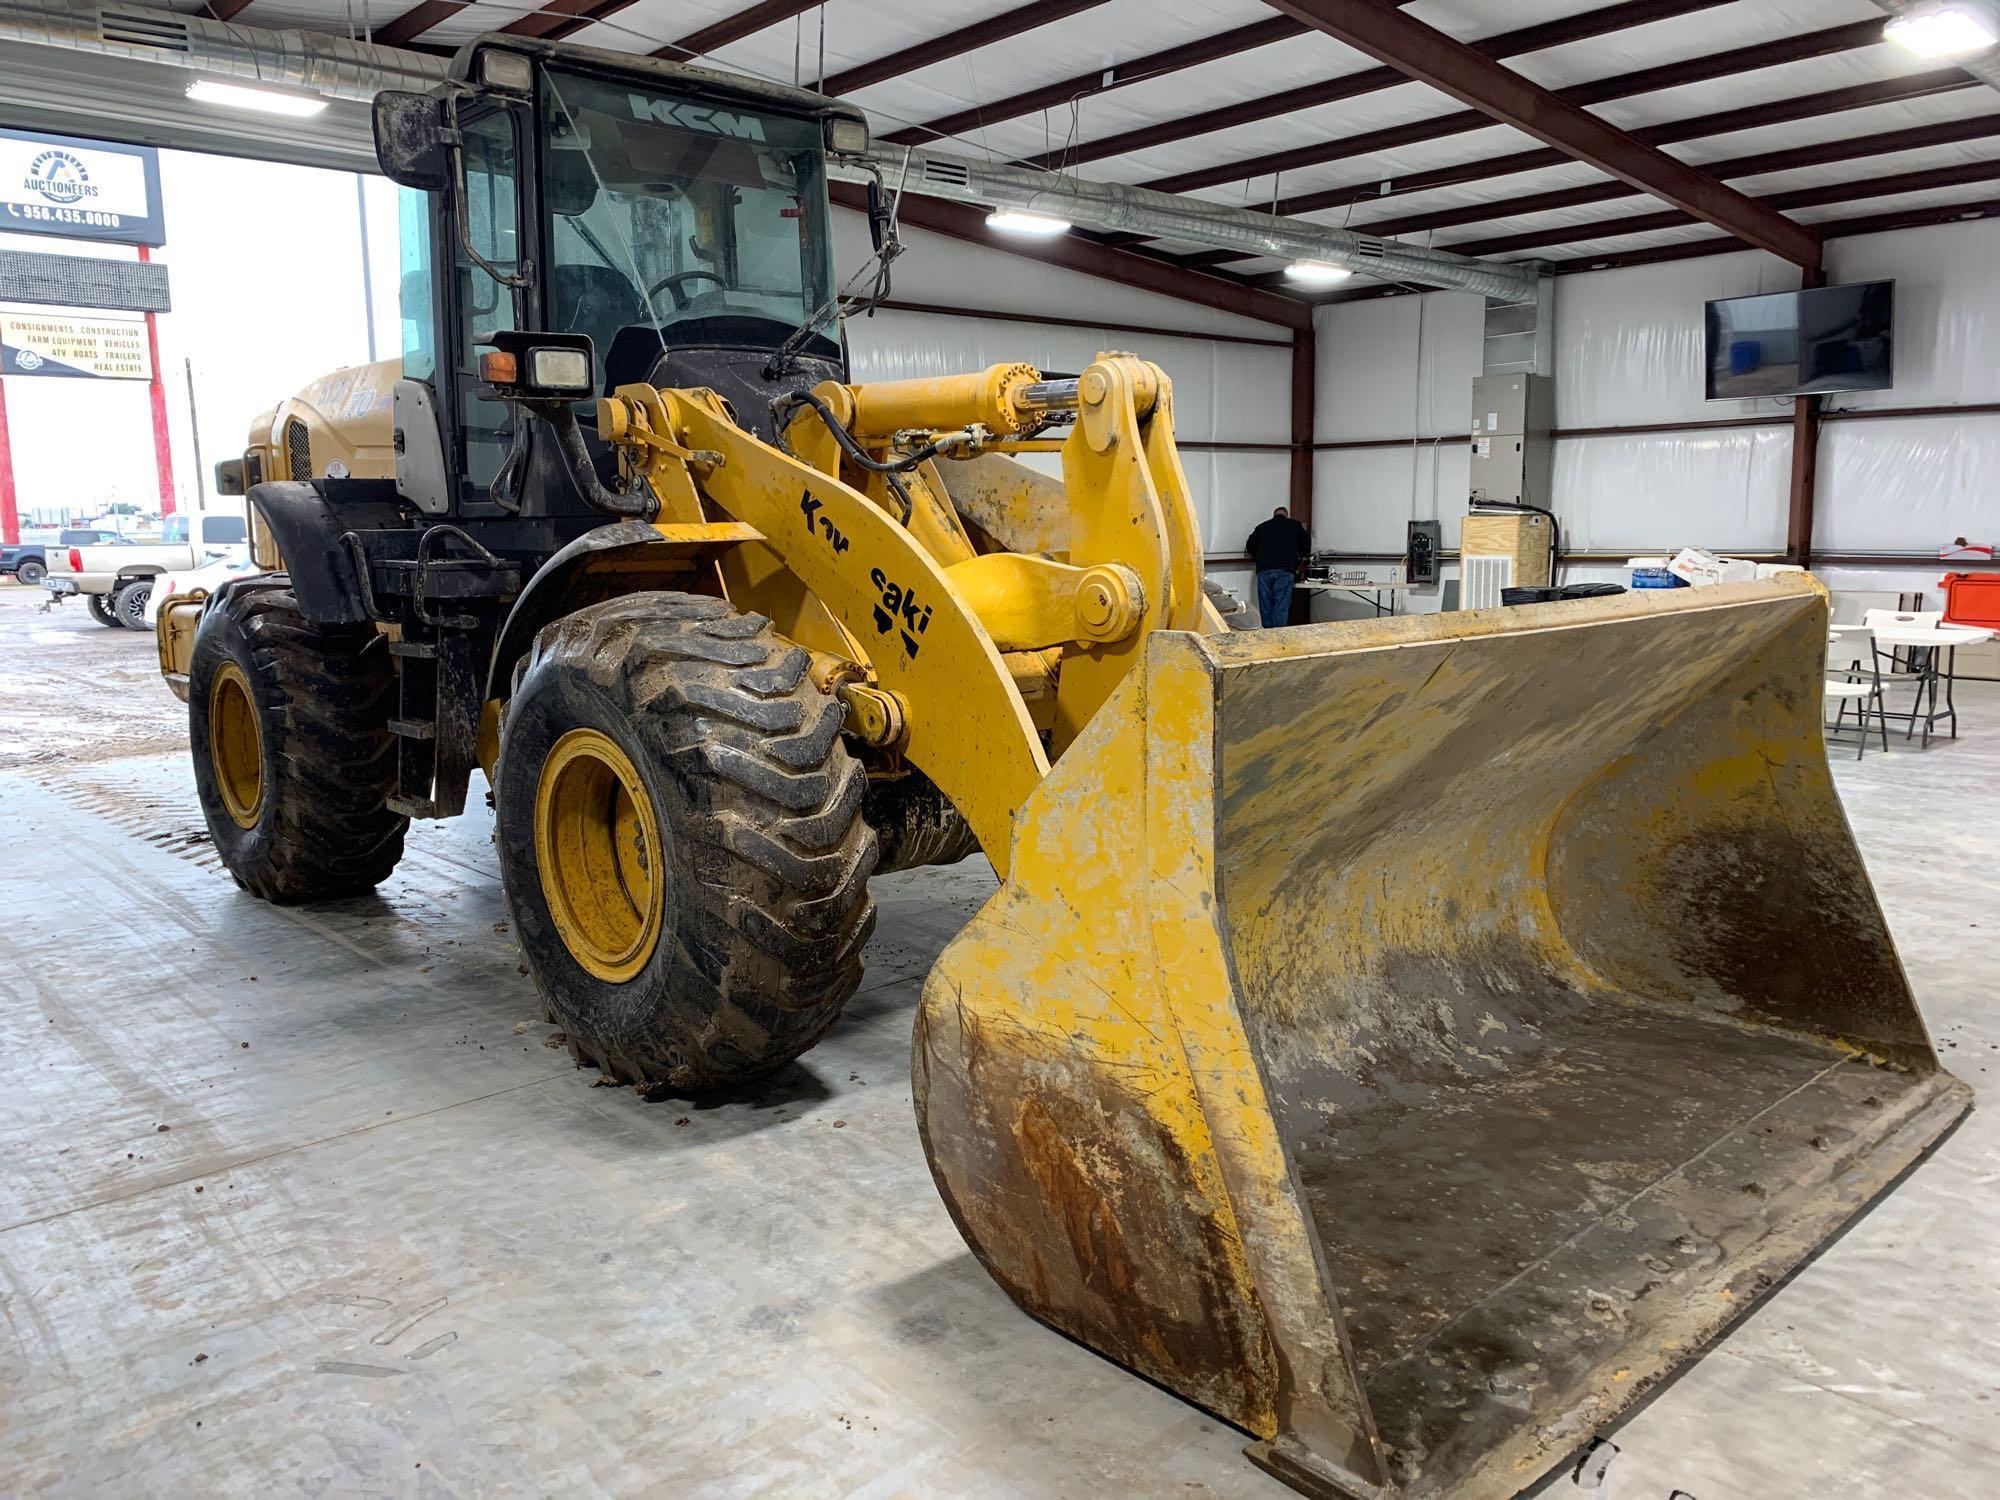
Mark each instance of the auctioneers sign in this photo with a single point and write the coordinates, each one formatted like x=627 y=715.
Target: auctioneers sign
x=94 y=348
x=83 y=190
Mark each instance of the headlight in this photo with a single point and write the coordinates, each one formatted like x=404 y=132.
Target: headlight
x=845 y=137
x=559 y=369
x=506 y=70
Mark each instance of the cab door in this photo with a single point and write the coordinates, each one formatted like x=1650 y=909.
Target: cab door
x=494 y=213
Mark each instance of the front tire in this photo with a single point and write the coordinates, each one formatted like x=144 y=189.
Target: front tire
x=129 y=603
x=681 y=839
x=30 y=572
x=101 y=610
x=288 y=723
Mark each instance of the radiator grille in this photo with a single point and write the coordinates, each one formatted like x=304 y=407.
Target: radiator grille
x=298 y=450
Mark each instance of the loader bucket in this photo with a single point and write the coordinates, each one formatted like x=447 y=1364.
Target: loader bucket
x=1411 y=1039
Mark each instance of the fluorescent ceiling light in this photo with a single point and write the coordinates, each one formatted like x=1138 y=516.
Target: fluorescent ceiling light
x=270 y=101
x=1951 y=29
x=1317 y=272
x=1020 y=221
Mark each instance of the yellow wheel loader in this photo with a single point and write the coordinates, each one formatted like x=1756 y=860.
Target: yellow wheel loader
x=1408 y=1040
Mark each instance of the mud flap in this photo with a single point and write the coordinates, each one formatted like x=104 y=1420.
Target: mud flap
x=1411 y=1039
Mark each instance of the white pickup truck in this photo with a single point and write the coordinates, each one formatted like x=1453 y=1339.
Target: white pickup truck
x=117 y=581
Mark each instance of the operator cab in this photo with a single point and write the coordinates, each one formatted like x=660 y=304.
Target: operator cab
x=675 y=217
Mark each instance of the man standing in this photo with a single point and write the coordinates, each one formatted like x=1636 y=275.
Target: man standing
x=1277 y=548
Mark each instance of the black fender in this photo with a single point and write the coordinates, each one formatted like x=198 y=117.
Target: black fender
x=560 y=586
x=308 y=520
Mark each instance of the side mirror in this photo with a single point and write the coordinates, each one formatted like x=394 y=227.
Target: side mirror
x=412 y=145
x=239 y=476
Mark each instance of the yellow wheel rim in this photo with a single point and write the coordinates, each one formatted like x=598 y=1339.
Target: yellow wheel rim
x=597 y=845
x=236 y=745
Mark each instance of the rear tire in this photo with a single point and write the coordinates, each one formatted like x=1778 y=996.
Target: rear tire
x=129 y=603
x=30 y=572
x=288 y=723
x=101 y=610
x=717 y=930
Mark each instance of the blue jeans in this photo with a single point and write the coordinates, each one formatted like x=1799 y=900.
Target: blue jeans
x=1274 y=596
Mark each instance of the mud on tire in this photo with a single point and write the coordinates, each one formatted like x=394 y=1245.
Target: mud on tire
x=323 y=697
x=766 y=856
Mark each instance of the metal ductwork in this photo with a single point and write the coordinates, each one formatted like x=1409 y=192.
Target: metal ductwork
x=1118 y=207
x=308 y=60
x=1985 y=66
x=342 y=69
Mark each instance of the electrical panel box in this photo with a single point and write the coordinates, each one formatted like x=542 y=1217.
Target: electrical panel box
x=1420 y=553
x=1513 y=458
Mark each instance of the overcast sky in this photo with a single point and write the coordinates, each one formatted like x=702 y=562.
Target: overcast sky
x=267 y=292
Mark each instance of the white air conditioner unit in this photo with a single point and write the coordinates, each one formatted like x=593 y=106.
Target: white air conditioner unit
x=1482 y=579
x=1498 y=550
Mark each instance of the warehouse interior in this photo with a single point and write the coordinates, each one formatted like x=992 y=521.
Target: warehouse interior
x=1485 y=994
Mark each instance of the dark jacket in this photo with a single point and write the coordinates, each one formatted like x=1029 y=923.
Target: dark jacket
x=1279 y=544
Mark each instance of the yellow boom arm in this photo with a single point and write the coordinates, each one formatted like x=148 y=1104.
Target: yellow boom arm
x=928 y=618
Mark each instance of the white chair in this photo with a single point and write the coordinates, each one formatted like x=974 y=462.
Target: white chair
x=1859 y=684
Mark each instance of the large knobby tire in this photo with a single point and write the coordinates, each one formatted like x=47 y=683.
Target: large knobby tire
x=30 y=572
x=288 y=723
x=101 y=610
x=681 y=840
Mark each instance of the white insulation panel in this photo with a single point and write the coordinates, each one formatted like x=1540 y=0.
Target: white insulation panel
x=1725 y=490
x=1908 y=484
x=1629 y=342
x=1628 y=354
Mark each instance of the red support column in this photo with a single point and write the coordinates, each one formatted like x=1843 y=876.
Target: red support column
x=10 y=517
x=1799 y=524
x=163 y=442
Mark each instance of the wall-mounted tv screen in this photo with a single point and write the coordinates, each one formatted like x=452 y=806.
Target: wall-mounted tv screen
x=1829 y=338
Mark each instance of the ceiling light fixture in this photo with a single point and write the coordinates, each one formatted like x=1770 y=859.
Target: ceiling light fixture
x=1317 y=272
x=1943 y=28
x=269 y=101
x=1020 y=221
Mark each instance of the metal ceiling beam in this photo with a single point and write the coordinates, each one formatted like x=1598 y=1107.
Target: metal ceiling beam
x=1121 y=207
x=1600 y=22
x=1819 y=154
x=1776 y=112
x=415 y=21
x=556 y=19
x=1957 y=175
x=1431 y=57
x=1903 y=218
x=1723 y=122
x=1225 y=294
x=1704 y=69
x=1101 y=80
x=952 y=44
x=1082 y=86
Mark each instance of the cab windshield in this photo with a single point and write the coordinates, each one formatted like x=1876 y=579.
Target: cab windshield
x=662 y=211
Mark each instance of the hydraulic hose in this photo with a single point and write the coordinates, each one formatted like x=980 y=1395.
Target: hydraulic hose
x=569 y=439
x=784 y=406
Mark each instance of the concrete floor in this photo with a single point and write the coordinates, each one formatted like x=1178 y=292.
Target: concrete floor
x=298 y=1201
